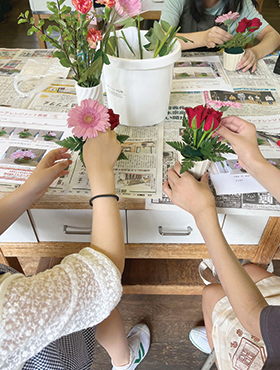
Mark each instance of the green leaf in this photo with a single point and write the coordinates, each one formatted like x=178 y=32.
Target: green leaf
x=26 y=14
x=32 y=20
x=122 y=138
x=30 y=31
x=55 y=28
x=105 y=59
x=165 y=25
x=122 y=156
x=129 y=22
x=61 y=23
x=49 y=30
x=178 y=145
x=158 y=31
x=43 y=37
x=60 y=2
x=190 y=152
x=53 y=17
x=22 y=20
x=184 y=39
x=51 y=5
x=187 y=164
x=72 y=142
x=41 y=23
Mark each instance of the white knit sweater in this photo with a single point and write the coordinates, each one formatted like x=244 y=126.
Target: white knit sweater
x=34 y=311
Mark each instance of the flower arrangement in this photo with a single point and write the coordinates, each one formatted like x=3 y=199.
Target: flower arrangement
x=197 y=142
x=84 y=49
x=49 y=136
x=23 y=156
x=24 y=134
x=86 y=121
x=3 y=132
x=243 y=31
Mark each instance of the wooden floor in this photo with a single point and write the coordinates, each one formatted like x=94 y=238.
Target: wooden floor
x=170 y=318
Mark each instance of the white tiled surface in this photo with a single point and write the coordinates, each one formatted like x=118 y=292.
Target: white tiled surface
x=21 y=231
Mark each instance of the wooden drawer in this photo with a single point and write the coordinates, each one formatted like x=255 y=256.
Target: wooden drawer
x=149 y=226
x=65 y=225
x=244 y=229
x=21 y=231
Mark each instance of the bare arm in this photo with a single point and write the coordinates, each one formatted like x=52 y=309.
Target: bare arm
x=209 y=38
x=100 y=155
x=14 y=204
x=242 y=137
x=196 y=198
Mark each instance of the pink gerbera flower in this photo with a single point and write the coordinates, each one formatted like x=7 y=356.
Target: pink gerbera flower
x=225 y=17
x=128 y=8
x=88 y=118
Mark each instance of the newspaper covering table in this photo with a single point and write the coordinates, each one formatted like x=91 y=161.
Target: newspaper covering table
x=149 y=156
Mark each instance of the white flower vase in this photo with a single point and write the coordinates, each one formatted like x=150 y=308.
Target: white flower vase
x=94 y=93
x=231 y=58
x=200 y=168
x=139 y=89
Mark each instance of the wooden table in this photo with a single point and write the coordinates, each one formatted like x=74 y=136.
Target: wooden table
x=142 y=258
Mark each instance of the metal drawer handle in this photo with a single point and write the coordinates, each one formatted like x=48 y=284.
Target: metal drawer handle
x=79 y=230
x=172 y=233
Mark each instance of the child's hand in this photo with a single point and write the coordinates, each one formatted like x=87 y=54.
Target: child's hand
x=47 y=171
x=188 y=193
x=101 y=153
x=248 y=61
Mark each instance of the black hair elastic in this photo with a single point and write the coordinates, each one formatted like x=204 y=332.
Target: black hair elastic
x=103 y=196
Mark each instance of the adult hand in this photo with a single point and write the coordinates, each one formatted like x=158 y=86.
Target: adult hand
x=52 y=166
x=216 y=36
x=248 y=61
x=102 y=152
x=243 y=139
x=186 y=192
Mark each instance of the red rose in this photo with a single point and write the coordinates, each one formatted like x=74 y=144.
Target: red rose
x=196 y=116
x=83 y=6
x=114 y=119
x=93 y=36
x=242 y=25
x=254 y=24
x=213 y=119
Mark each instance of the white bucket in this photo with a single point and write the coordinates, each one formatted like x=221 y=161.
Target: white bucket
x=139 y=89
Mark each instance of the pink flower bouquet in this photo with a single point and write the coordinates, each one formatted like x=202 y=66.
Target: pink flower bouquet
x=243 y=31
x=23 y=156
x=87 y=120
x=197 y=142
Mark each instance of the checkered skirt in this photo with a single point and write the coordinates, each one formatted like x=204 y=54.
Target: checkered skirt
x=71 y=352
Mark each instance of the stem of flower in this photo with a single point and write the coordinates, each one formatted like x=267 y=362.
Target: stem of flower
x=170 y=47
x=194 y=136
x=117 y=43
x=130 y=48
x=203 y=136
x=163 y=41
x=139 y=37
x=111 y=47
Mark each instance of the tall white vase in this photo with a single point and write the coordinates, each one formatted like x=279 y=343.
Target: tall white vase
x=94 y=93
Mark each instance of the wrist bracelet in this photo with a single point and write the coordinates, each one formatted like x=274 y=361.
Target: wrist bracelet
x=103 y=196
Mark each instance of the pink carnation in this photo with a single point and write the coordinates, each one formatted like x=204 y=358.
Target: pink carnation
x=219 y=104
x=127 y=8
x=225 y=17
x=88 y=118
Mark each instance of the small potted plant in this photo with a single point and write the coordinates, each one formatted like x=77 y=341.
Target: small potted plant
x=86 y=120
x=234 y=48
x=198 y=148
x=3 y=132
x=22 y=156
x=49 y=136
x=24 y=134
